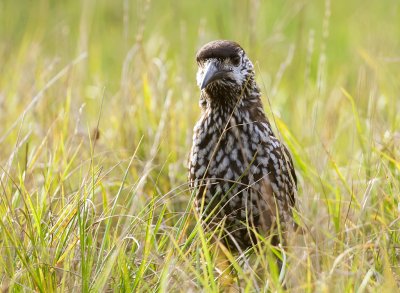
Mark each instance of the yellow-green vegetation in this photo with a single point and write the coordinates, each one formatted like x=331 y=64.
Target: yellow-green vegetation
x=97 y=104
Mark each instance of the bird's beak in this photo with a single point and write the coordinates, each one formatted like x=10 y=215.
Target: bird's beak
x=212 y=73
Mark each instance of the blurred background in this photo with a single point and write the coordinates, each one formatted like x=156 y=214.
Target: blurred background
x=136 y=53
x=137 y=59
x=86 y=85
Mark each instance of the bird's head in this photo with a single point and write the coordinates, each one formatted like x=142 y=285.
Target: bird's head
x=223 y=70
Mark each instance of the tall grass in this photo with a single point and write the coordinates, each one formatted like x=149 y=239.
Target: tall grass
x=97 y=103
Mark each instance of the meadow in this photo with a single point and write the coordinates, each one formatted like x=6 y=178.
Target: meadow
x=97 y=104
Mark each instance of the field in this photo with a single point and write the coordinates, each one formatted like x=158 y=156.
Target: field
x=98 y=100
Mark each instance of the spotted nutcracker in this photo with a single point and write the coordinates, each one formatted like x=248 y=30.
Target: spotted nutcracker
x=242 y=174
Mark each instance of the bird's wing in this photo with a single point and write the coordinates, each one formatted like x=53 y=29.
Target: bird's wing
x=293 y=177
x=285 y=178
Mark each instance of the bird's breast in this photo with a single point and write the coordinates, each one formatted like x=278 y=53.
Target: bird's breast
x=229 y=148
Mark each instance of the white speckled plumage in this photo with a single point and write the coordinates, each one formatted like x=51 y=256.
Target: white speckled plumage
x=237 y=165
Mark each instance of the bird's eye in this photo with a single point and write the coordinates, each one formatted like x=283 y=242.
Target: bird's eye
x=235 y=60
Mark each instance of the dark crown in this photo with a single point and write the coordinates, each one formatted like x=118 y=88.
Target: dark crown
x=218 y=49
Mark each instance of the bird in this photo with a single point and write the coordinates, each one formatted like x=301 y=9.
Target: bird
x=242 y=175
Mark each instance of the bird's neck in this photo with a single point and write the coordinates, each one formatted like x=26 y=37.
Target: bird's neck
x=247 y=108
x=223 y=99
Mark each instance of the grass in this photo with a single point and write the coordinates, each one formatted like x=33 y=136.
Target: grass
x=97 y=103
